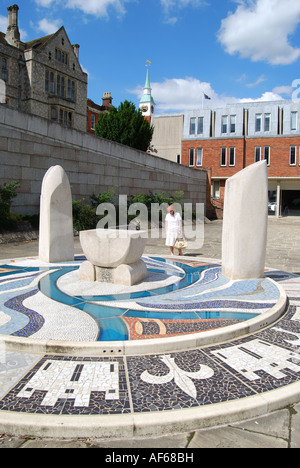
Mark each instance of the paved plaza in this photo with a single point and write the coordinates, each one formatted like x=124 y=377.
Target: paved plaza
x=203 y=391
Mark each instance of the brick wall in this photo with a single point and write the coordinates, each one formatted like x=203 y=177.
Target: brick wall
x=212 y=155
x=279 y=155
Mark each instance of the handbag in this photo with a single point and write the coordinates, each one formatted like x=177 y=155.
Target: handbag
x=180 y=243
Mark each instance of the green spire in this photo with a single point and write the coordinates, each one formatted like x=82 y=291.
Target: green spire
x=147 y=84
x=147 y=90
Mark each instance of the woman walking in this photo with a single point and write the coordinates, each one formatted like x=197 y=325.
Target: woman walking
x=173 y=225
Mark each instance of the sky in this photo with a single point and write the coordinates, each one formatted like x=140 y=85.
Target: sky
x=231 y=50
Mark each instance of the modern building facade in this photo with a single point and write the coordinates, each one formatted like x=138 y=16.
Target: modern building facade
x=43 y=76
x=226 y=140
x=167 y=136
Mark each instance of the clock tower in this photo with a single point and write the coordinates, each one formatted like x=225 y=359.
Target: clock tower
x=147 y=103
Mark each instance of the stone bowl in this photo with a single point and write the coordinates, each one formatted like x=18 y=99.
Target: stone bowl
x=109 y=248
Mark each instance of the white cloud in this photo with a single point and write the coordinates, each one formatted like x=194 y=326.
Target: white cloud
x=178 y=93
x=171 y=7
x=268 y=96
x=261 y=29
x=92 y=7
x=178 y=4
x=44 y=3
x=182 y=94
x=48 y=27
x=259 y=80
x=3 y=23
x=286 y=90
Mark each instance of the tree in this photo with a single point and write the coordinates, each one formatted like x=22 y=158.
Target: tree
x=125 y=125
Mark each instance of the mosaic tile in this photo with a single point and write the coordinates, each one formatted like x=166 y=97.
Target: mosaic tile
x=36 y=321
x=183 y=380
x=200 y=294
x=62 y=385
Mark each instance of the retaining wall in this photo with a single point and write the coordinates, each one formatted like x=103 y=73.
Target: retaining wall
x=30 y=145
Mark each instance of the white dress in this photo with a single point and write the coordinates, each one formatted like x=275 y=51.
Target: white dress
x=173 y=226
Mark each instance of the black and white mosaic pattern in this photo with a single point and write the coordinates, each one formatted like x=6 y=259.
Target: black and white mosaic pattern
x=62 y=385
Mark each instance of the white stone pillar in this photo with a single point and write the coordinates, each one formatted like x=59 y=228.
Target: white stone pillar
x=245 y=223
x=56 y=242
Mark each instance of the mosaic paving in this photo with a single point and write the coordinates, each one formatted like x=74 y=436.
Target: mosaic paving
x=65 y=385
x=49 y=302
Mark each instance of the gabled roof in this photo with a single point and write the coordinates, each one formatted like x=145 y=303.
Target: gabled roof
x=2 y=38
x=38 y=43
x=42 y=41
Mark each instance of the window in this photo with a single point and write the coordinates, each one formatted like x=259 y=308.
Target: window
x=192 y=157
x=257 y=156
x=53 y=114
x=71 y=90
x=231 y=156
x=193 y=126
x=258 y=118
x=199 y=156
x=93 y=121
x=267 y=122
x=4 y=70
x=216 y=189
x=294 y=120
x=293 y=156
x=61 y=56
x=267 y=154
x=60 y=86
x=232 y=123
x=223 y=156
x=200 y=125
x=178 y=159
x=49 y=82
x=224 y=123
x=61 y=116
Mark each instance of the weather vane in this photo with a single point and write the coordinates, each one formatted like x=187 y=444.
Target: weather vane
x=148 y=63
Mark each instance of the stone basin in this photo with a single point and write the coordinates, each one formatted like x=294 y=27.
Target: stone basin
x=109 y=248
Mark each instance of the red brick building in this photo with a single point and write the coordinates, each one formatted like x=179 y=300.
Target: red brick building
x=94 y=110
x=224 y=141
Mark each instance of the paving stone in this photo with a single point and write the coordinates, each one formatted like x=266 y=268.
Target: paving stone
x=230 y=437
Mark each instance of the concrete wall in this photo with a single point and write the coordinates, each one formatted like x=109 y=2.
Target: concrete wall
x=30 y=145
x=167 y=135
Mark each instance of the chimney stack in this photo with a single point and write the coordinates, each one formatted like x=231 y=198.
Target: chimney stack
x=107 y=100
x=13 y=33
x=76 y=50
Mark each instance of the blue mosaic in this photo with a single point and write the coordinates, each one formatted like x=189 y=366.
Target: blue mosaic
x=198 y=294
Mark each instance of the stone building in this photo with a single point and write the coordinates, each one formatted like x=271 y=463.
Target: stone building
x=43 y=76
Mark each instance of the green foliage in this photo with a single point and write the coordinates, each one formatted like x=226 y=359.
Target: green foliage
x=84 y=216
x=160 y=198
x=110 y=196
x=125 y=125
x=34 y=220
x=7 y=195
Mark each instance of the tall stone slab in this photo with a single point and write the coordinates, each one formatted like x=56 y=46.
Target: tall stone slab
x=245 y=222
x=56 y=243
